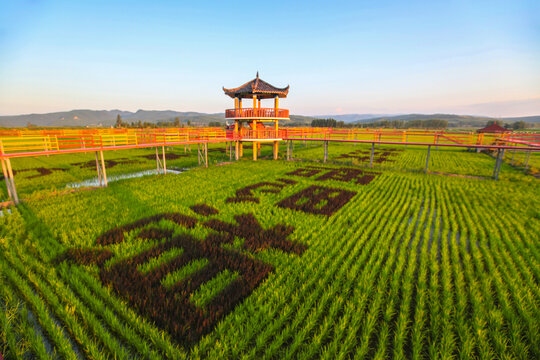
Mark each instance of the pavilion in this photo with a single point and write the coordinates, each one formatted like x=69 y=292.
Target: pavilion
x=256 y=116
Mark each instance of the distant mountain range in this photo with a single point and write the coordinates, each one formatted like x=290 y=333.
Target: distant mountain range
x=107 y=118
x=451 y=118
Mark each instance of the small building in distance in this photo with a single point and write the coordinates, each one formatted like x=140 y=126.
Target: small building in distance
x=493 y=128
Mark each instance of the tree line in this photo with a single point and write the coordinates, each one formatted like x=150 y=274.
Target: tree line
x=388 y=124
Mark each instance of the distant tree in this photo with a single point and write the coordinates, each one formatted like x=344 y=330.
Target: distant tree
x=215 y=124
x=189 y=123
x=519 y=125
x=491 y=122
x=119 y=123
x=29 y=125
x=176 y=122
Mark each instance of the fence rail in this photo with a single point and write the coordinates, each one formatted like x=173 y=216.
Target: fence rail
x=19 y=143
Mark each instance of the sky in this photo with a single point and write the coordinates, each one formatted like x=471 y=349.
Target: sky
x=339 y=57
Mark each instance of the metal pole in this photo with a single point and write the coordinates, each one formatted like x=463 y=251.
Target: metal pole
x=164 y=164
x=427 y=160
x=371 y=157
x=103 y=169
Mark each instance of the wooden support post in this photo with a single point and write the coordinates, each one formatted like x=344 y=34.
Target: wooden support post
x=12 y=180
x=164 y=164
x=288 y=150
x=157 y=160
x=371 y=156
x=255 y=151
x=103 y=171
x=206 y=154
x=276 y=147
x=427 y=159
x=98 y=168
x=498 y=164
x=199 y=153
x=527 y=160
x=7 y=179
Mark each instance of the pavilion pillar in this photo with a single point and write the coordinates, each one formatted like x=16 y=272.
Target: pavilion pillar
x=255 y=147
x=236 y=143
x=276 y=127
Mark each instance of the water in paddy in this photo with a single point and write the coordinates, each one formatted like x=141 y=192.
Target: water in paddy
x=95 y=181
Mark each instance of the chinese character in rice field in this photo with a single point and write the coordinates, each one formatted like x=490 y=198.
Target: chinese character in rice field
x=344 y=174
x=172 y=304
x=318 y=200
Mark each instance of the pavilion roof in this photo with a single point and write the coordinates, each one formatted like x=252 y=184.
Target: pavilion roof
x=258 y=87
x=493 y=128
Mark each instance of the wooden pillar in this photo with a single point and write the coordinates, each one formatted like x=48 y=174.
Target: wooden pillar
x=206 y=154
x=427 y=159
x=103 y=171
x=199 y=153
x=157 y=160
x=371 y=157
x=255 y=150
x=12 y=179
x=236 y=142
x=7 y=179
x=276 y=127
x=98 y=168
x=255 y=131
x=164 y=164
x=527 y=161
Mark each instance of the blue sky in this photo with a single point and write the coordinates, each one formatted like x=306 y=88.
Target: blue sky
x=468 y=57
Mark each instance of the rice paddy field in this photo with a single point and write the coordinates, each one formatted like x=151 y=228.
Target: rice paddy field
x=273 y=259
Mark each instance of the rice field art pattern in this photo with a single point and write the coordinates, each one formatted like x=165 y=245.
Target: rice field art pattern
x=171 y=306
x=275 y=260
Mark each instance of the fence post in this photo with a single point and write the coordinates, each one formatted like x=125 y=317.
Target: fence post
x=427 y=159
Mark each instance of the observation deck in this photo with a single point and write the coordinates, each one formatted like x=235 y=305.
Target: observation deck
x=257 y=114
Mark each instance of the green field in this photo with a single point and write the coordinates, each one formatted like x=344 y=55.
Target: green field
x=274 y=259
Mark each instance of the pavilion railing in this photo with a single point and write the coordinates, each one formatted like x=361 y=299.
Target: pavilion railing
x=257 y=113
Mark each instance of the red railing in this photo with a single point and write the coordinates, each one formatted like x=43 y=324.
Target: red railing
x=257 y=113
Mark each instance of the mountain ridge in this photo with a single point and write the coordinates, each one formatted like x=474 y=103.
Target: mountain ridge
x=107 y=118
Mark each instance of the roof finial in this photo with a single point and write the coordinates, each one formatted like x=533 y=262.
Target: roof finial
x=257 y=74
